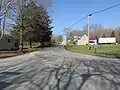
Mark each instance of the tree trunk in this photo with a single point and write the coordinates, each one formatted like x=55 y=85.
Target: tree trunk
x=42 y=44
x=21 y=42
x=30 y=43
x=21 y=31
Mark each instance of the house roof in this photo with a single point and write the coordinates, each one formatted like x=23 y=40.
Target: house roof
x=92 y=38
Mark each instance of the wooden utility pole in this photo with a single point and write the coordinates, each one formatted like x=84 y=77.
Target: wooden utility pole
x=89 y=27
x=67 y=32
x=66 y=36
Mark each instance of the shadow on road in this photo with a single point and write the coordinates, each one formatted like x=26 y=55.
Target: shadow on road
x=10 y=73
x=83 y=75
x=4 y=85
x=69 y=75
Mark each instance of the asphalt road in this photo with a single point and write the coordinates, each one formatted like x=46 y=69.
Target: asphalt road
x=57 y=69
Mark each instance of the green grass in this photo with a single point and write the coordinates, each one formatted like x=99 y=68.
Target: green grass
x=102 y=50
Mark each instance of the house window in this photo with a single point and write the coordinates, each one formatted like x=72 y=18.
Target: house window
x=9 y=40
x=16 y=44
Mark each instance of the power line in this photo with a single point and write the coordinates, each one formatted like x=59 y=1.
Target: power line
x=74 y=24
x=91 y=15
x=77 y=22
x=106 y=9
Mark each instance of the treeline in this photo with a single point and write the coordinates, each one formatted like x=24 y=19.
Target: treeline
x=36 y=25
x=97 y=31
x=28 y=22
x=57 y=39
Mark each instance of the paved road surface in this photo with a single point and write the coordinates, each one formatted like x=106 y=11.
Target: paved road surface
x=57 y=69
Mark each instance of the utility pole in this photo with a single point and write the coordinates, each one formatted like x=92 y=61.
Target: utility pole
x=66 y=36
x=89 y=27
x=67 y=32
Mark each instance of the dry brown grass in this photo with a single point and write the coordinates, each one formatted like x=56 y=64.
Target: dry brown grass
x=6 y=54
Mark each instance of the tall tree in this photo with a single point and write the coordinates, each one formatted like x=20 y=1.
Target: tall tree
x=117 y=31
x=104 y=35
x=113 y=34
x=36 y=24
x=57 y=39
x=95 y=30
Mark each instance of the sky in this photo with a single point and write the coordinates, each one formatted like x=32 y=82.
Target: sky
x=66 y=12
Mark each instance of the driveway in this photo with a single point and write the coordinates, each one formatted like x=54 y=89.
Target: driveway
x=57 y=69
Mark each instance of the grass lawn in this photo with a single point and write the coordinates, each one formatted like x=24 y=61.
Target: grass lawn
x=102 y=50
x=6 y=54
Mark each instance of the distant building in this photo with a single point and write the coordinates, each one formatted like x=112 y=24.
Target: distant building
x=83 y=40
x=76 y=38
x=107 y=40
x=64 y=40
x=8 y=43
x=92 y=40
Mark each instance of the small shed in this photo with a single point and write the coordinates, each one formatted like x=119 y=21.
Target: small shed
x=8 y=43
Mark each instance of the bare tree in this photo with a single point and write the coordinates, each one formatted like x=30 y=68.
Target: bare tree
x=15 y=14
x=117 y=32
x=95 y=30
x=4 y=9
x=67 y=33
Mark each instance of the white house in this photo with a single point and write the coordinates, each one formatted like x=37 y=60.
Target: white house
x=76 y=38
x=64 y=40
x=8 y=43
x=83 y=40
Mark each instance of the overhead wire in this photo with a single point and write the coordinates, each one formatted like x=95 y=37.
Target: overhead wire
x=105 y=9
x=90 y=15
x=74 y=24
